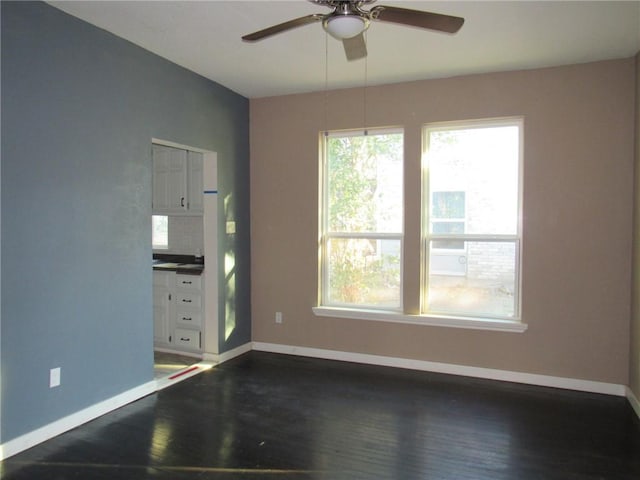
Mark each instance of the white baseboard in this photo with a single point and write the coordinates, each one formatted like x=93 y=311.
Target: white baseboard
x=633 y=400
x=218 y=358
x=76 y=419
x=477 y=372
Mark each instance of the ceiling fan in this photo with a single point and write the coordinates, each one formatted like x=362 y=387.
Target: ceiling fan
x=348 y=20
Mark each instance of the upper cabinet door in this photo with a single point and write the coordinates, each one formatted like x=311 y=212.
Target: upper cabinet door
x=196 y=196
x=169 y=180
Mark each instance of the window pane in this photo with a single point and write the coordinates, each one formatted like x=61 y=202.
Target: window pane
x=447 y=205
x=448 y=227
x=160 y=231
x=364 y=182
x=447 y=216
x=482 y=164
x=479 y=281
x=363 y=272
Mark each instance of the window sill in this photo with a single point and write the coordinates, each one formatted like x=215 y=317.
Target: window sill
x=430 y=320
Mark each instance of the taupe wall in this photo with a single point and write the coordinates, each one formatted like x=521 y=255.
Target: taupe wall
x=578 y=200
x=634 y=358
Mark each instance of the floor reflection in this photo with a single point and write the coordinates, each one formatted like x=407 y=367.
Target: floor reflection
x=166 y=364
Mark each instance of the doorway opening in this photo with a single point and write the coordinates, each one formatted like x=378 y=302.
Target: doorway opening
x=185 y=291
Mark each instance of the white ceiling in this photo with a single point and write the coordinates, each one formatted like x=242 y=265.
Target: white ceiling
x=204 y=36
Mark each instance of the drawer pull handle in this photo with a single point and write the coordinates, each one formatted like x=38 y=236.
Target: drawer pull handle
x=187 y=319
x=186 y=283
x=184 y=339
x=182 y=201
x=185 y=300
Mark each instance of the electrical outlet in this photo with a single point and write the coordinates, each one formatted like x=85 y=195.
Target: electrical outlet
x=278 y=317
x=54 y=377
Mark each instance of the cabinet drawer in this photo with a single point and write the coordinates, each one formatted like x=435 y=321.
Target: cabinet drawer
x=187 y=338
x=188 y=300
x=188 y=282
x=189 y=317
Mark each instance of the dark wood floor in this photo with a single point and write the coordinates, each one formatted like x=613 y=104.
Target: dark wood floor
x=265 y=416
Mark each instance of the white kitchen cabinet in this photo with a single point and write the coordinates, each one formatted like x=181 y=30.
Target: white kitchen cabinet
x=188 y=311
x=177 y=181
x=169 y=180
x=178 y=311
x=163 y=312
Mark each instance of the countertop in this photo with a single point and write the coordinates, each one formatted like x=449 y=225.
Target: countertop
x=182 y=264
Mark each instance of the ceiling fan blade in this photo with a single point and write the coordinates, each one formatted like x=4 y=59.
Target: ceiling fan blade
x=281 y=27
x=355 y=48
x=417 y=18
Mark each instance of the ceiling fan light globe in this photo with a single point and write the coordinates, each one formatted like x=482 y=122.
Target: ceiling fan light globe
x=345 y=26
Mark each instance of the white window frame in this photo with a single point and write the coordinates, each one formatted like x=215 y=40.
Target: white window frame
x=511 y=325
x=427 y=236
x=325 y=235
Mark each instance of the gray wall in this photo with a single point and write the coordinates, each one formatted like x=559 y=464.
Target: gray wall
x=79 y=109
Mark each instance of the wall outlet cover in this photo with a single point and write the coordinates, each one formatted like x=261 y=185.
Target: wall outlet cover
x=54 y=377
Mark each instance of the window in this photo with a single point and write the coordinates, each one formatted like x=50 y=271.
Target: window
x=362 y=219
x=471 y=219
x=469 y=209
x=160 y=232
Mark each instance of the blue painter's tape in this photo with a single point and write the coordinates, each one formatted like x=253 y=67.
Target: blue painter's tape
x=210 y=192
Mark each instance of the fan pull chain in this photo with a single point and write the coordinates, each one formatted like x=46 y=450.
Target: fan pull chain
x=364 y=93
x=326 y=83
